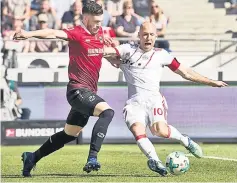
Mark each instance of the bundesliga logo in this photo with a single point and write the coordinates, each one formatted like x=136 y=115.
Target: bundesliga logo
x=31 y=132
x=10 y=132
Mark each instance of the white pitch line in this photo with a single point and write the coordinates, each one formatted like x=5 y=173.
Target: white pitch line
x=214 y=157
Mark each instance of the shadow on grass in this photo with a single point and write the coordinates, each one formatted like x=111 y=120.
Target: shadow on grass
x=77 y=175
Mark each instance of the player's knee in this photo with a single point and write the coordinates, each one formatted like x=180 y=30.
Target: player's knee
x=163 y=132
x=73 y=133
x=160 y=129
x=137 y=129
x=72 y=130
x=108 y=113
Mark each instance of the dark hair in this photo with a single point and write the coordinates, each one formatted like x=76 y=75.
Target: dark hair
x=92 y=8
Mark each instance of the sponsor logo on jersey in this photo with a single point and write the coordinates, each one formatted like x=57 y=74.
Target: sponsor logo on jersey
x=87 y=40
x=95 y=51
x=145 y=57
x=127 y=55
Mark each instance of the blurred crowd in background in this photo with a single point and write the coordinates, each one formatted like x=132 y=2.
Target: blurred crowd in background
x=121 y=19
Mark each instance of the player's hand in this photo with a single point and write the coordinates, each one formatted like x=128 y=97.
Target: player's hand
x=20 y=35
x=115 y=65
x=219 y=84
x=134 y=36
x=115 y=62
x=108 y=41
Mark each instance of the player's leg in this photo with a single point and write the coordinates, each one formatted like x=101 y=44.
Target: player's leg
x=145 y=145
x=91 y=104
x=75 y=122
x=105 y=114
x=160 y=128
x=139 y=132
x=133 y=114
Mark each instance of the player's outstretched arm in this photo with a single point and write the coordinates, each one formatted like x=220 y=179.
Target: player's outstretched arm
x=189 y=74
x=111 y=55
x=41 y=34
x=110 y=52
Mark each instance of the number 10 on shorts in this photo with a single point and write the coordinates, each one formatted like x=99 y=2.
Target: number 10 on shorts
x=158 y=111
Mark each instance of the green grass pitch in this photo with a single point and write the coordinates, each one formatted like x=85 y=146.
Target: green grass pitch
x=120 y=163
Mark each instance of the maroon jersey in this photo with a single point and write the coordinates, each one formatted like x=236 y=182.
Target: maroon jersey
x=85 y=53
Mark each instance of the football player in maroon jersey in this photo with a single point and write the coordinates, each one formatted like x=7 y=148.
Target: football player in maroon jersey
x=86 y=43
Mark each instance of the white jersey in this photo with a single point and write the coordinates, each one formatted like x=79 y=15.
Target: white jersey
x=143 y=70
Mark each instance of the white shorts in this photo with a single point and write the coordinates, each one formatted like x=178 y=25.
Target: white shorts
x=146 y=110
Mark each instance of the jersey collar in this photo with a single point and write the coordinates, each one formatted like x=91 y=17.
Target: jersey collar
x=142 y=51
x=84 y=27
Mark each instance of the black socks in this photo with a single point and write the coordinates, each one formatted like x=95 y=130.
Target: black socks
x=99 y=131
x=58 y=140
x=54 y=143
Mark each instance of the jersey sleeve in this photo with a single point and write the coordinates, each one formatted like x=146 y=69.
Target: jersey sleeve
x=122 y=50
x=73 y=33
x=169 y=60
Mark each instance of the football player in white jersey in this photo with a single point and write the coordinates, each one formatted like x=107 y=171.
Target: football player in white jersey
x=146 y=107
